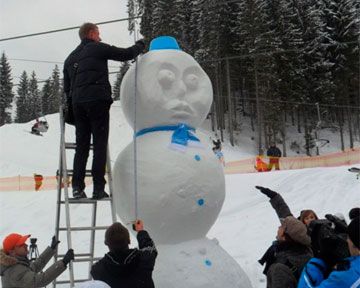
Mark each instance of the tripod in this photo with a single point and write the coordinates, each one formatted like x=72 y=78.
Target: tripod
x=33 y=250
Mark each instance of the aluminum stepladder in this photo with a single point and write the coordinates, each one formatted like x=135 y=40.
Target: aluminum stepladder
x=67 y=202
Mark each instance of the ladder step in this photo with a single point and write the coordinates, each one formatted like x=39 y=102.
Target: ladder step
x=70 y=172
x=84 y=200
x=87 y=259
x=84 y=228
x=69 y=145
x=68 y=281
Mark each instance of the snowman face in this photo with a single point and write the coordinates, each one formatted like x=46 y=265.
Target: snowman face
x=172 y=88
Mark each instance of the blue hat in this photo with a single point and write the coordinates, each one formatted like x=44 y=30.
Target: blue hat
x=164 y=43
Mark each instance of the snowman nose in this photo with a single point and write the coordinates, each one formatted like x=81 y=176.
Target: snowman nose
x=181 y=90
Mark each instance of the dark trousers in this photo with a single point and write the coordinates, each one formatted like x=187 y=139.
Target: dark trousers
x=91 y=118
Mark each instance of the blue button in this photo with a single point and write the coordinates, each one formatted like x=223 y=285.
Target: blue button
x=197 y=157
x=201 y=202
x=208 y=262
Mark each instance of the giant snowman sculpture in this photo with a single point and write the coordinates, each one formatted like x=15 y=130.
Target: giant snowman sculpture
x=180 y=182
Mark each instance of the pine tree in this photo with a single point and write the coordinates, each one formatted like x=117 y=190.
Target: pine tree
x=22 y=103
x=116 y=89
x=34 y=98
x=46 y=97
x=6 y=94
x=56 y=92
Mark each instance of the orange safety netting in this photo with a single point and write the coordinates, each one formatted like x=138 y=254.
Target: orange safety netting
x=349 y=157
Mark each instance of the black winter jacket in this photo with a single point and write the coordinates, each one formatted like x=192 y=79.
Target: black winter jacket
x=92 y=80
x=273 y=152
x=131 y=268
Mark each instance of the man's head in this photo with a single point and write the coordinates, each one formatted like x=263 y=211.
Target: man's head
x=14 y=244
x=354 y=236
x=292 y=229
x=117 y=237
x=89 y=31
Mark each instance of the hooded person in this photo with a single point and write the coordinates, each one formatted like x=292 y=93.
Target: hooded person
x=130 y=267
x=346 y=273
x=17 y=270
x=286 y=257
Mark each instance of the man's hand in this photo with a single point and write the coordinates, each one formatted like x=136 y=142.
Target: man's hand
x=68 y=257
x=141 y=45
x=138 y=225
x=54 y=243
x=271 y=194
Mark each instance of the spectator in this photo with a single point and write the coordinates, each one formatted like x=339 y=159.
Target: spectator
x=130 y=267
x=286 y=257
x=88 y=92
x=274 y=154
x=346 y=273
x=260 y=165
x=306 y=216
x=354 y=212
x=16 y=270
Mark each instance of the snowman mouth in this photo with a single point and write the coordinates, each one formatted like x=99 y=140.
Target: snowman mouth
x=181 y=109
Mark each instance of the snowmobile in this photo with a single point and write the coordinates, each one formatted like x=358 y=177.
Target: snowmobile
x=39 y=127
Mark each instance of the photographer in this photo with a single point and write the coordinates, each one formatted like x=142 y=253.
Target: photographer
x=318 y=271
x=286 y=257
x=16 y=270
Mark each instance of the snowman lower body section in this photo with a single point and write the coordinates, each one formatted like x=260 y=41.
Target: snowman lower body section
x=199 y=263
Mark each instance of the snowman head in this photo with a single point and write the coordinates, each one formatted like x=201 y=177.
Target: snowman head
x=172 y=88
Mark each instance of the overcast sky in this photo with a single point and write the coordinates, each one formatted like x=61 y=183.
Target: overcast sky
x=20 y=17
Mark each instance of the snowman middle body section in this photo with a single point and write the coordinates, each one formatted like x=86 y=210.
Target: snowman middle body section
x=180 y=192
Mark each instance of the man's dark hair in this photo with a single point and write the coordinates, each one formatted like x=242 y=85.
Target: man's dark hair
x=117 y=237
x=85 y=29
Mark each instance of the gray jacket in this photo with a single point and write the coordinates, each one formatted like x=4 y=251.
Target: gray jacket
x=19 y=272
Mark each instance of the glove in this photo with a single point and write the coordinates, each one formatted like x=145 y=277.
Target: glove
x=68 y=113
x=68 y=257
x=271 y=194
x=340 y=226
x=54 y=243
x=141 y=45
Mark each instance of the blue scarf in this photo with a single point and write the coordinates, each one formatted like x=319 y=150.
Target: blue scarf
x=182 y=133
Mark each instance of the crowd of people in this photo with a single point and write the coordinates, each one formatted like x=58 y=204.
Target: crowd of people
x=311 y=252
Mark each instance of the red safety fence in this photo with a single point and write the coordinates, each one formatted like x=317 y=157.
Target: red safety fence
x=349 y=157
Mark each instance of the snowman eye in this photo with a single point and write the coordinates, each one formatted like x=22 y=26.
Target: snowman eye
x=191 y=81
x=166 y=78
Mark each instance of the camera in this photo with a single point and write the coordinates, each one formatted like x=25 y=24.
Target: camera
x=326 y=242
x=33 y=241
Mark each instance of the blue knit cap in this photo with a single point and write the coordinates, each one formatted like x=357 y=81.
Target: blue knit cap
x=164 y=43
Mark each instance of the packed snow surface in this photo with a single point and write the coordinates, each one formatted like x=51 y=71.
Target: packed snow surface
x=245 y=227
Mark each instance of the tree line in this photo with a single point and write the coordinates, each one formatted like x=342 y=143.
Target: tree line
x=263 y=56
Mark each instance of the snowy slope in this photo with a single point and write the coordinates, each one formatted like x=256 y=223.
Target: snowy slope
x=245 y=228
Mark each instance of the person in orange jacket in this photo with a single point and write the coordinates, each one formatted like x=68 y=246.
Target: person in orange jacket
x=260 y=165
x=38 y=181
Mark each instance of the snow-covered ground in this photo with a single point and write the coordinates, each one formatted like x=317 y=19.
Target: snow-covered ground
x=245 y=228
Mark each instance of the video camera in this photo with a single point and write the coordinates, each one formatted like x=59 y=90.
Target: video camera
x=326 y=243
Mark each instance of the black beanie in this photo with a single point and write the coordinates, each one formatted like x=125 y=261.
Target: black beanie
x=354 y=212
x=354 y=231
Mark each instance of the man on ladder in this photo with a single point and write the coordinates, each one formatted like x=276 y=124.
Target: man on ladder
x=88 y=92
